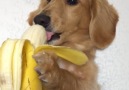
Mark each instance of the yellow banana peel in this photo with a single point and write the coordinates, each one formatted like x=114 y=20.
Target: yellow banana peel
x=30 y=80
x=69 y=54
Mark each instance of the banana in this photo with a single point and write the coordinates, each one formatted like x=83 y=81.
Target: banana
x=16 y=62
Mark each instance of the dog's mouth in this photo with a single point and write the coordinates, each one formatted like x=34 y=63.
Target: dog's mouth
x=52 y=36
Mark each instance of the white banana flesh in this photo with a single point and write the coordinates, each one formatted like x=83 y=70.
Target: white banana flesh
x=36 y=34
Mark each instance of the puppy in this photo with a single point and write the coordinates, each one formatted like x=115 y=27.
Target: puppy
x=85 y=25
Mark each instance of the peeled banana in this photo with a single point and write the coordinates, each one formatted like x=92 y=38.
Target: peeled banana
x=16 y=62
x=36 y=34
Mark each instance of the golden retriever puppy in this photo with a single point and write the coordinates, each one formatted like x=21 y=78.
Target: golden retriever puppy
x=85 y=25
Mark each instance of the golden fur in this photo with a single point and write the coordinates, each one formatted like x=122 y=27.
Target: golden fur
x=87 y=26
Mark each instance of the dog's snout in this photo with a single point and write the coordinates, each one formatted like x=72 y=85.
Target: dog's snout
x=42 y=19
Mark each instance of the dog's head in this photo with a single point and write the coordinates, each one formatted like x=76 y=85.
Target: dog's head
x=67 y=16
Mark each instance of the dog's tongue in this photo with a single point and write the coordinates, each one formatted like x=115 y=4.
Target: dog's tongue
x=49 y=35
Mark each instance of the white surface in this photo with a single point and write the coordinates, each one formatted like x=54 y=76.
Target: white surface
x=113 y=62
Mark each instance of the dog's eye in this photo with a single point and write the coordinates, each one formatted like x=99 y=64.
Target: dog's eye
x=72 y=2
x=49 y=0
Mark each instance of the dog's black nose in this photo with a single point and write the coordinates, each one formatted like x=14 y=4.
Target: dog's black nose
x=42 y=19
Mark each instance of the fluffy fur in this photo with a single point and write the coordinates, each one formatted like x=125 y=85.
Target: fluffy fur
x=87 y=26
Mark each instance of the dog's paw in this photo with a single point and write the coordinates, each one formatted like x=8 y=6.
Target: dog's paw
x=46 y=65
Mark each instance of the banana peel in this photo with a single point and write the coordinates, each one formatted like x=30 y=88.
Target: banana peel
x=30 y=80
x=67 y=53
x=5 y=67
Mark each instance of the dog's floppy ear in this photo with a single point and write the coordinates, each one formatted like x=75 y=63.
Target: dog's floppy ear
x=103 y=23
